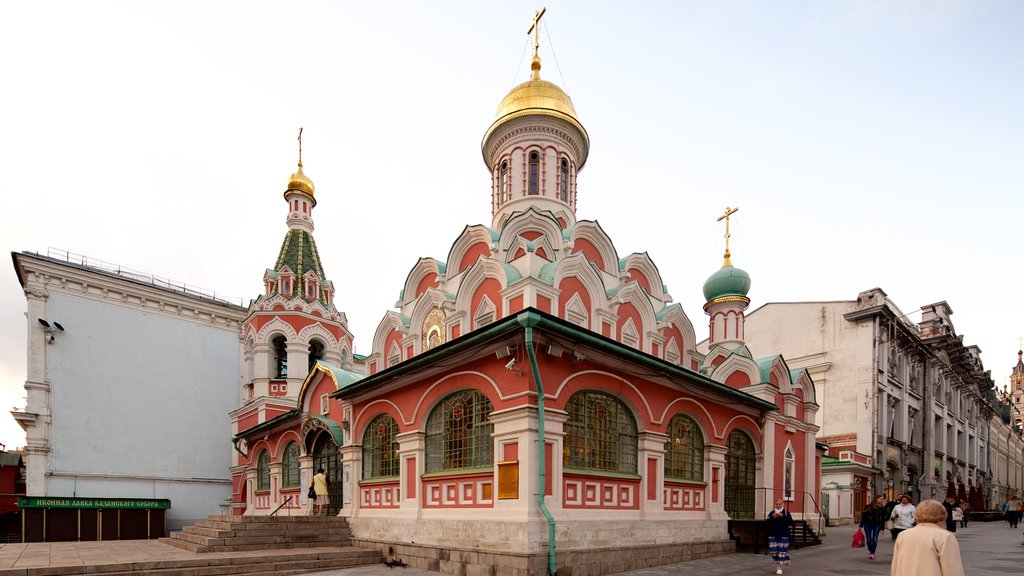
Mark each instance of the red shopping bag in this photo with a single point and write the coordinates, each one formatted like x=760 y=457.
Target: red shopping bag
x=858 y=538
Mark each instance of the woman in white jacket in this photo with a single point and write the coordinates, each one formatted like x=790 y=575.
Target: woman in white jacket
x=902 y=516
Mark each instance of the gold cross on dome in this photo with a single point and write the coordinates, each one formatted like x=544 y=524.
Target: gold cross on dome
x=728 y=212
x=535 y=29
x=300 y=147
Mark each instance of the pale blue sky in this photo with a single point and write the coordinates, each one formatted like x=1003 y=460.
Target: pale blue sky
x=866 y=143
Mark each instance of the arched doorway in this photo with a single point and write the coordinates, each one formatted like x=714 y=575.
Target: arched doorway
x=740 y=476
x=325 y=455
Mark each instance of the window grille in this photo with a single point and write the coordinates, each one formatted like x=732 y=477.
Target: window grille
x=459 y=433
x=290 y=466
x=263 y=471
x=600 y=434
x=534 y=173
x=380 y=449
x=564 y=181
x=684 y=451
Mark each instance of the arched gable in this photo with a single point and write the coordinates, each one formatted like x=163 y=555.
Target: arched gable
x=391 y=323
x=636 y=305
x=431 y=300
x=585 y=280
x=531 y=226
x=468 y=296
x=677 y=325
x=640 y=268
x=474 y=242
x=425 y=274
x=736 y=363
x=777 y=374
x=316 y=377
x=803 y=382
x=588 y=237
x=541 y=245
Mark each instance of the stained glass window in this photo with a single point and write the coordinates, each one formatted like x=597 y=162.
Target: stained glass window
x=600 y=434
x=380 y=449
x=459 y=433
x=684 y=451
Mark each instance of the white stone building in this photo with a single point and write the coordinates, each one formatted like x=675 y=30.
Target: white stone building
x=903 y=406
x=129 y=380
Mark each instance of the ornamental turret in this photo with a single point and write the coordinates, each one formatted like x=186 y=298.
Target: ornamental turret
x=726 y=294
x=534 y=148
x=294 y=323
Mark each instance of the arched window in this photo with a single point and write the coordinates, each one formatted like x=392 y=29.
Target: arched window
x=316 y=352
x=280 y=356
x=788 y=471
x=263 y=471
x=563 y=181
x=684 y=451
x=600 y=434
x=505 y=180
x=459 y=433
x=290 y=466
x=380 y=450
x=534 y=173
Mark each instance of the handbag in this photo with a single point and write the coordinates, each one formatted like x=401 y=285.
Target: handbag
x=858 y=538
x=312 y=492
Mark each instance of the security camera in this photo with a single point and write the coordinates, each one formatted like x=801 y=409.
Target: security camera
x=511 y=364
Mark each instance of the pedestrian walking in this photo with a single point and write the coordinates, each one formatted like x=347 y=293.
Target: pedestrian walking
x=927 y=549
x=902 y=516
x=780 y=524
x=1013 y=511
x=952 y=513
x=871 y=520
x=965 y=513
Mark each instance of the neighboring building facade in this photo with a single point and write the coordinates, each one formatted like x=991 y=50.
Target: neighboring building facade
x=128 y=382
x=535 y=402
x=1007 y=458
x=903 y=406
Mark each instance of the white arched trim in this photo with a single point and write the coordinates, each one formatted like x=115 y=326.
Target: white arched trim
x=592 y=232
x=424 y=267
x=391 y=322
x=642 y=263
x=470 y=237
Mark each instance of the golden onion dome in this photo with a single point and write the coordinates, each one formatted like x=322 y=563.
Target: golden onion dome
x=300 y=183
x=538 y=97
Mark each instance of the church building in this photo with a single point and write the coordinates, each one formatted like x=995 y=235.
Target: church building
x=535 y=402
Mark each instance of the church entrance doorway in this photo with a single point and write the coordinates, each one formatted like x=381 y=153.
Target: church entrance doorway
x=740 y=475
x=326 y=456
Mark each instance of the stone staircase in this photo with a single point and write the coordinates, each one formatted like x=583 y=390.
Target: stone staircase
x=244 y=533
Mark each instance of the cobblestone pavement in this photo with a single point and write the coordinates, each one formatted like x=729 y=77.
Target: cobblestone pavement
x=987 y=548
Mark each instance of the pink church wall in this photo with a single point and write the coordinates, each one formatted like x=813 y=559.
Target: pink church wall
x=478 y=250
x=587 y=248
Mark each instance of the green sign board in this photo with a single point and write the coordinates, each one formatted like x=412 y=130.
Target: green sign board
x=122 y=503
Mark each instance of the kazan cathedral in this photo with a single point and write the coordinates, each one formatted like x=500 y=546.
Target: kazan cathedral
x=536 y=402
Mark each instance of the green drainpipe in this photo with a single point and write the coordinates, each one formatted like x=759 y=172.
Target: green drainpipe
x=529 y=321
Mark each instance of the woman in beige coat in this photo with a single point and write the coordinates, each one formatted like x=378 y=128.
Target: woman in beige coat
x=927 y=549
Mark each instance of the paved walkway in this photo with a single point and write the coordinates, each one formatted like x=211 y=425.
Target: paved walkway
x=988 y=549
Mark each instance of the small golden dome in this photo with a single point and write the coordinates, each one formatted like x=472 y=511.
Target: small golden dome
x=301 y=184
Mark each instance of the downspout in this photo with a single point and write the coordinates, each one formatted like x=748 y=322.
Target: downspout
x=529 y=321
